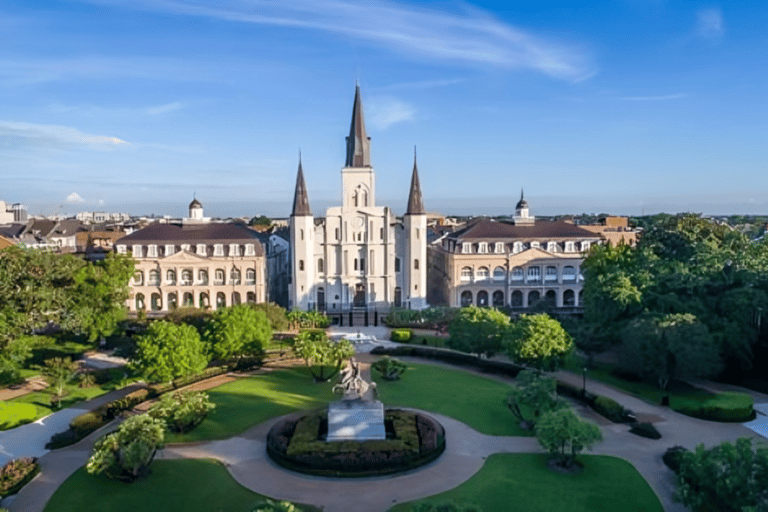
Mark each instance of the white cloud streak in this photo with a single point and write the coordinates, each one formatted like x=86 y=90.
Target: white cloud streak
x=48 y=134
x=709 y=23
x=385 y=112
x=164 y=109
x=471 y=36
x=655 y=98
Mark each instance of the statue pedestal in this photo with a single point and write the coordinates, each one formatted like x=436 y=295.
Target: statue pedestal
x=356 y=420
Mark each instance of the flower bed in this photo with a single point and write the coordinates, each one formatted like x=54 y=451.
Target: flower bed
x=16 y=474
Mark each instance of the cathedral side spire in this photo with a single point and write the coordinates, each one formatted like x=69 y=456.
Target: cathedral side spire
x=415 y=201
x=358 y=142
x=300 y=199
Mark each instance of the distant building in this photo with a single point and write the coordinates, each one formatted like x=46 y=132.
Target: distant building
x=615 y=230
x=99 y=217
x=359 y=257
x=195 y=263
x=12 y=213
x=515 y=264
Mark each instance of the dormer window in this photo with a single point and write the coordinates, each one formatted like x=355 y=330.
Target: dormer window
x=201 y=250
x=499 y=247
x=584 y=246
x=482 y=247
x=169 y=249
x=552 y=246
x=517 y=247
x=570 y=247
x=121 y=249
x=186 y=247
x=218 y=250
x=535 y=245
x=250 y=250
x=152 y=251
x=136 y=251
x=466 y=248
x=234 y=250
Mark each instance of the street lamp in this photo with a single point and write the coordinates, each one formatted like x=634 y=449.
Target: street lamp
x=584 y=382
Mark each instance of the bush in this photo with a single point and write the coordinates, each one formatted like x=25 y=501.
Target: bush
x=16 y=474
x=86 y=423
x=723 y=407
x=102 y=376
x=182 y=411
x=9 y=373
x=645 y=430
x=86 y=379
x=13 y=414
x=276 y=506
x=42 y=354
x=390 y=369
x=673 y=456
x=609 y=409
x=402 y=335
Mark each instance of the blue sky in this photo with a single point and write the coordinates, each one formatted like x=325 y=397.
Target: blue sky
x=627 y=107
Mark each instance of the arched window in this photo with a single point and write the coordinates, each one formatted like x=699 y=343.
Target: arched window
x=140 y=302
x=202 y=277
x=397 y=264
x=250 y=297
x=186 y=277
x=250 y=276
x=569 y=298
x=301 y=265
x=466 y=274
x=551 y=297
x=234 y=276
x=221 y=300
x=235 y=298
x=482 y=298
x=499 y=274
x=205 y=301
x=320 y=265
x=517 y=299
x=498 y=299
x=188 y=300
x=569 y=274
x=154 y=277
x=517 y=274
x=157 y=302
x=138 y=278
x=170 y=276
x=550 y=274
x=466 y=298
x=534 y=274
x=533 y=297
x=218 y=278
x=483 y=274
x=172 y=302
x=415 y=264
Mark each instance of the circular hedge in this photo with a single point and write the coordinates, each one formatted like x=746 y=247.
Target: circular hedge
x=298 y=443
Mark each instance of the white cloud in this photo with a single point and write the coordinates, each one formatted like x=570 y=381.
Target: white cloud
x=49 y=134
x=74 y=197
x=655 y=98
x=101 y=202
x=469 y=36
x=163 y=109
x=709 y=23
x=384 y=112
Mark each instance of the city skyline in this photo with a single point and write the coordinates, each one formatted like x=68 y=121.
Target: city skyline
x=629 y=108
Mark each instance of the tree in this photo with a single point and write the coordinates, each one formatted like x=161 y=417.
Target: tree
x=539 y=341
x=196 y=317
x=126 y=454
x=564 y=436
x=276 y=315
x=261 y=221
x=237 y=331
x=675 y=346
x=389 y=368
x=320 y=353
x=167 y=351
x=730 y=477
x=182 y=411
x=299 y=319
x=478 y=330
x=536 y=393
x=59 y=372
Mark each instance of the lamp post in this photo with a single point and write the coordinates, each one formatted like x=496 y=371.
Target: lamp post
x=584 y=382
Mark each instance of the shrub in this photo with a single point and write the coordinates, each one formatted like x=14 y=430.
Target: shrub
x=673 y=456
x=9 y=373
x=86 y=380
x=390 y=369
x=16 y=474
x=42 y=354
x=129 y=401
x=276 y=506
x=13 y=414
x=645 y=430
x=86 y=423
x=723 y=407
x=182 y=411
x=401 y=335
x=102 y=376
x=609 y=409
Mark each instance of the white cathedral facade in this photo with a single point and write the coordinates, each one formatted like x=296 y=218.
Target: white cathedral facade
x=359 y=257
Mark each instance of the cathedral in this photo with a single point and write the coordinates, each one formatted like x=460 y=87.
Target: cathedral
x=360 y=256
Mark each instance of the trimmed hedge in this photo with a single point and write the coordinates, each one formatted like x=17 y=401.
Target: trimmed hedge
x=724 y=407
x=16 y=474
x=646 y=430
x=402 y=335
x=673 y=456
x=609 y=408
x=159 y=389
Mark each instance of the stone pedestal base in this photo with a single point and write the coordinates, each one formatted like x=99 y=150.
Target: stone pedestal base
x=356 y=420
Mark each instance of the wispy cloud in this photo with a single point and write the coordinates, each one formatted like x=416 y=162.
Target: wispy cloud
x=709 y=23
x=422 y=84
x=655 y=98
x=164 y=109
x=469 y=36
x=74 y=197
x=385 y=112
x=58 y=135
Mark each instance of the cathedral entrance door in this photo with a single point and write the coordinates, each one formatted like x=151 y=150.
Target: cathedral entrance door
x=359 y=301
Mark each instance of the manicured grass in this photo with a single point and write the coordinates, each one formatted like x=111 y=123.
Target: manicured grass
x=431 y=341
x=41 y=400
x=191 y=485
x=476 y=401
x=252 y=400
x=522 y=482
x=14 y=414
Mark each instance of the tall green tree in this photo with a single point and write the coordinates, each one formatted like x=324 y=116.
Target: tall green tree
x=538 y=341
x=238 y=331
x=167 y=351
x=535 y=393
x=564 y=435
x=323 y=357
x=478 y=330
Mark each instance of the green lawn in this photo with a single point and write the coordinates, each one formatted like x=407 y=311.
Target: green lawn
x=42 y=399
x=192 y=485
x=431 y=341
x=13 y=414
x=253 y=400
x=476 y=401
x=522 y=482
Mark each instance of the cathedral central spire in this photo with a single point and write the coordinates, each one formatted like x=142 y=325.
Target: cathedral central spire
x=415 y=201
x=358 y=142
x=300 y=199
